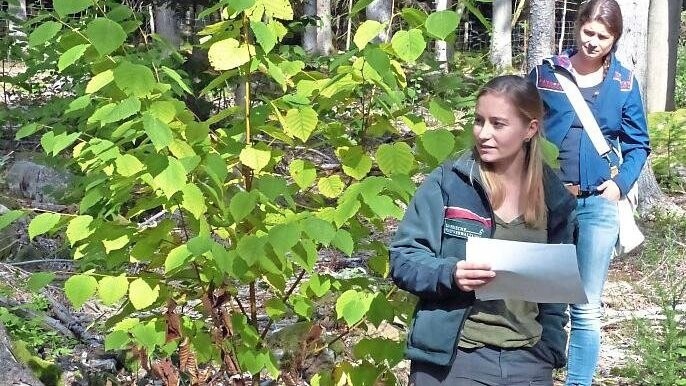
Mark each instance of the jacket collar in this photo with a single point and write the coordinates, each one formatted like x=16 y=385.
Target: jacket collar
x=563 y=60
x=558 y=200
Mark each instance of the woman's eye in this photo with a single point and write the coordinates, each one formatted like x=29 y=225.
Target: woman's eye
x=499 y=125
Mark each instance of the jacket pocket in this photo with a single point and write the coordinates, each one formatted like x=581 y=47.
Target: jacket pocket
x=434 y=331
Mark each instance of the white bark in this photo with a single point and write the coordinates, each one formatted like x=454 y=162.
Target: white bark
x=632 y=47
x=167 y=25
x=542 y=31
x=443 y=51
x=501 y=40
x=17 y=9
x=324 y=33
x=381 y=11
x=663 y=38
x=310 y=35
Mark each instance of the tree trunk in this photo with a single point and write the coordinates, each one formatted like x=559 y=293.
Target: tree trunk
x=310 y=35
x=443 y=51
x=542 y=31
x=13 y=373
x=501 y=40
x=663 y=37
x=167 y=25
x=381 y=11
x=324 y=33
x=17 y=10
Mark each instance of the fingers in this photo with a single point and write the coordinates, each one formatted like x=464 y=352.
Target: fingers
x=470 y=276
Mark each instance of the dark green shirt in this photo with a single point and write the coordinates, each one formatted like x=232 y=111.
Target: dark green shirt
x=506 y=323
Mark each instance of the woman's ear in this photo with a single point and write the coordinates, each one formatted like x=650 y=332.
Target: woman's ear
x=532 y=129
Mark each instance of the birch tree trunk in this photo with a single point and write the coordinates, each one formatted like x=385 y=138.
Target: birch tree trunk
x=324 y=33
x=663 y=40
x=310 y=36
x=541 y=33
x=167 y=24
x=501 y=40
x=16 y=8
x=443 y=51
x=381 y=11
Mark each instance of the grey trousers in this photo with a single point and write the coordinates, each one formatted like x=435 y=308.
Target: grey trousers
x=487 y=366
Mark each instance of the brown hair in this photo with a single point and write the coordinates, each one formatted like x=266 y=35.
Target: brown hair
x=524 y=96
x=606 y=12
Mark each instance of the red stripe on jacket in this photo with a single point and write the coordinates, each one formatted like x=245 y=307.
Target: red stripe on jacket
x=454 y=212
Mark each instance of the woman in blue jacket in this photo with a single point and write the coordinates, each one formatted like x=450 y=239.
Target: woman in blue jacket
x=500 y=189
x=612 y=93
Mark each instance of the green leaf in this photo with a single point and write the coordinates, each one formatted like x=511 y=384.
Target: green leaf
x=366 y=32
x=117 y=340
x=383 y=206
x=266 y=38
x=105 y=35
x=441 y=24
x=193 y=200
x=79 y=103
x=177 y=257
x=114 y=112
x=228 y=54
x=319 y=230
x=414 y=17
x=439 y=143
x=284 y=237
x=550 y=153
x=79 y=228
x=344 y=242
x=275 y=308
x=441 y=111
x=303 y=173
x=43 y=33
x=172 y=179
x=8 y=218
x=142 y=295
x=26 y=130
x=355 y=162
x=68 y=7
x=331 y=186
x=134 y=79
x=319 y=285
x=159 y=132
x=302 y=306
x=278 y=9
x=240 y=5
x=79 y=288
x=352 y=306
x=250 y=249
x=43 y=223
x=242 y=204
x=305 y=254
x=112 y=288
x=359 y=5
x=408 y=45
x=149 y=335
x=380 y=350
x=255 y=159
x=54 y=144
x=71 y=55
x=177 y=78
x=395 y=159
x=300 y=123
x=128 y=165
x=99 y=81
x=38 y=280
x=165 y=111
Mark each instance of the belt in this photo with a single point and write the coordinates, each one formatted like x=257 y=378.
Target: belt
x=575 y=190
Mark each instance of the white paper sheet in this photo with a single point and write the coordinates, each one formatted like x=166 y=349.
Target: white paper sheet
x=542 y=273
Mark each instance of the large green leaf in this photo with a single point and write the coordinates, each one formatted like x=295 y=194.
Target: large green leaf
x=26 y=130
x=352 y=306
x=359 y=5
x=149 y=335
x=134 y=79
x=331 y=186
x=408 y=45
x=8 y=218
x=38 y=280
x=283 y=237
x=115 y=112
x=266 y=38
x=255 y=159
x=439 y=143
x=303 y=172
x=242 y=204
x=355 y=162
x=99 y=81
x=344 y=242
x=228 y=54
x=71 y=55
x=79 y=288
x=193 y=200
x=300 y=123
x=128 y=165
x=43 y=223
x=366 y=32
x=158 y=131
x=177 y=78
x=43 y=33
x=172 y=179
x=441 y=111
x=251 y=249
x=395 y=159
x=105 y=35
x=441 y=24
x=414 y=17
x=319 y=230
x=112 y=288
x=79 y=228
x=177 y=257
x=142 y=294
x=240 y=5
x=68 y=7
x=54 y=144
x=278 y=9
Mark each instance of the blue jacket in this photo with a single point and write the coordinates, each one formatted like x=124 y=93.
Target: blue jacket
x=618 y=110
x=427 y=247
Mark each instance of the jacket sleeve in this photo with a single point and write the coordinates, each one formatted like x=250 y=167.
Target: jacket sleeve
x=633 y=140
x=415 y=264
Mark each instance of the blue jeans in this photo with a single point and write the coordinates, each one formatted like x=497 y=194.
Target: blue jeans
x=598 y=231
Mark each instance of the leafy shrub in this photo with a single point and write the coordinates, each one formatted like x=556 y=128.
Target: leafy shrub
x=668 y=141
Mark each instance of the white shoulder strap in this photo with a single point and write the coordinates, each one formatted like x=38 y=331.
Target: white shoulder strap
x=584 y=113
